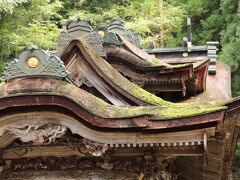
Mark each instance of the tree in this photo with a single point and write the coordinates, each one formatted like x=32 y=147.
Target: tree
x=31 y=14
x=230 y=40
x=7 y=6
x=43 y=34
x=206 y=19
x=146 y=17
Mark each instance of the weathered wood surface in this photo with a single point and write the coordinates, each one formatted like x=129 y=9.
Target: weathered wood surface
x=139 y=67
x=110 y=139
x=82 y=104
x=94 y=174
x=111 y=80
x=219 y=154
x=218 y=87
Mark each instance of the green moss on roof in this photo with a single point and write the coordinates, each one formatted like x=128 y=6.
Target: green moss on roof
x=116 y=78
x=168 y=112
x=158 y=62
x=199 y=63
x=186 y=110
x=222 y=102
x=98 y=107
x=102 y=109
x=147 y=97
x=122 y=82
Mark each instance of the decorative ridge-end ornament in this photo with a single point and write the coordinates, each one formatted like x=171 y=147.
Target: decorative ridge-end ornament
x=133 y=37
x=118 y=27
x=63 y=41
x=79 y=29
x=35 y=62
x=112 y=39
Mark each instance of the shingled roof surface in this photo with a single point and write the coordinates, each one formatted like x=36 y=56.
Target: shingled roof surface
x=98 y=107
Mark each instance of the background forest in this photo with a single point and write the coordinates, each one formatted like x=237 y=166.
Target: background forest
x=24 y=22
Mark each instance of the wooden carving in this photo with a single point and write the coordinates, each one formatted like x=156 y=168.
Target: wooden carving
x=35 y=62
x=38 y=134
x=96 y=149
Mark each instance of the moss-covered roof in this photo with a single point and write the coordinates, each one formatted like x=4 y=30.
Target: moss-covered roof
x=141 y=58
x=102 y=109
x=120 y=80
x=132 y=88
x=162 y=109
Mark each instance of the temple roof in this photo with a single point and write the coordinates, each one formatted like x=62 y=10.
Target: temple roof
x=83 y=99
x=176 y=78
x=43 y=98
x=110 y=76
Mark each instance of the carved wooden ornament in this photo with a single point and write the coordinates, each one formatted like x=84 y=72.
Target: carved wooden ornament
x=35 y=62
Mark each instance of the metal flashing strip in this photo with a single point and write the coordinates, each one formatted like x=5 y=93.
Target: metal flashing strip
x=212 y=55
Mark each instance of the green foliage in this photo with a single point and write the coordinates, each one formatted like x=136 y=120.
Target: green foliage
x=158 y=19
x=43 y=34
x=230 y=41
x=30 y=17
x=206 y=18
x=148 y=18
x=9 y=5
x=2 y=65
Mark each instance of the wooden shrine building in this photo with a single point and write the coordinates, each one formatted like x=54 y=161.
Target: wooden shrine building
x=104 y=108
